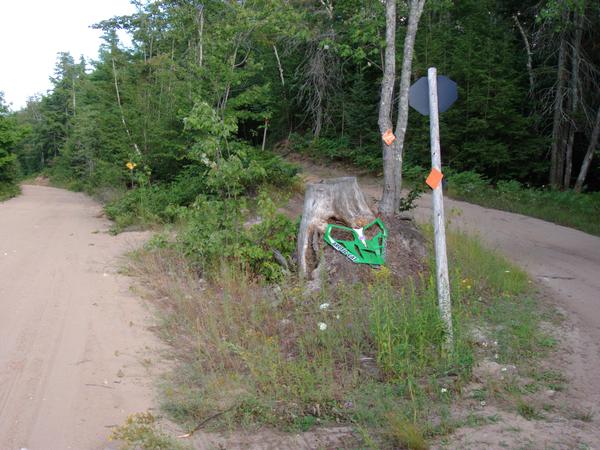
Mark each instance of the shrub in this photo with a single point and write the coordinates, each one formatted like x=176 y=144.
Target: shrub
x=465 y=183
x=215 y=232
x=240 y=175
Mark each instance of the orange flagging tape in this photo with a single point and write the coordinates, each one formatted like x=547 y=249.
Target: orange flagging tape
x=434 y=178
x=388 y=137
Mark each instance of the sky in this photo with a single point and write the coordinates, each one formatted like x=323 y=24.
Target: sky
x=32 y=32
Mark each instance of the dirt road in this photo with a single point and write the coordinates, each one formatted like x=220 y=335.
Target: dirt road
x=71 y=333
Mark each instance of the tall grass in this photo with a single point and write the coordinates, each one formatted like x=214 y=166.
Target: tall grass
x=361 y=354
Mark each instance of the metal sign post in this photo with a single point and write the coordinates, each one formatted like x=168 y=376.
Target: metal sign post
x=431 y=102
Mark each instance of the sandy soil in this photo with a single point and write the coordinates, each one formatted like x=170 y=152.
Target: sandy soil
x=566 y=263
x=72 y=340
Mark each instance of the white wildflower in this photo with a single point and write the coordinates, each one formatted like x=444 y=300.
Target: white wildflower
x=322 y=326
x=324 y=306
x=444 y=390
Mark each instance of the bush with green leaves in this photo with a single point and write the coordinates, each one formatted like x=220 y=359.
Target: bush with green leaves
x=465 y=183
x=217 y=231
x=10 y=134
x=240 y=175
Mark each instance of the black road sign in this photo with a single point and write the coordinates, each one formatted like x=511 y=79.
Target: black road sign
x=418 y=95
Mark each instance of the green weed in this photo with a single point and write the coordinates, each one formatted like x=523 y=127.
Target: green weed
x=404 y=434
x=584 y=416
x=8 y=190
x=140 y=431
x=528 y=411
x=253 y=353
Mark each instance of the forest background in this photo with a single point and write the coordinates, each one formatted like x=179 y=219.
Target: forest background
x=191 y=123
x=204 y=78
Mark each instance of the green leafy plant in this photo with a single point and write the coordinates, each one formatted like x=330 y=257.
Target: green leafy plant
x=140 y=431
x=408 y=203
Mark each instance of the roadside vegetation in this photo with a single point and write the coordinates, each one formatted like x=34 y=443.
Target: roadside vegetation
x=253 y=348
x=308 y=75
x=10 y=134
x=8 y=190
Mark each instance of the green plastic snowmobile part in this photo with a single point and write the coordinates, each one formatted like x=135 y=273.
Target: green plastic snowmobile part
x=360 y=250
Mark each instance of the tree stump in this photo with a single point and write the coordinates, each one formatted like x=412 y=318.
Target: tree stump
x=338 y=200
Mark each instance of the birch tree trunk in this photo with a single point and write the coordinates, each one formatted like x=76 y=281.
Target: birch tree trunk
x=200 y=24
x=585 y=165
x=385 y=106
x=114 y=68
x=279 y=65
x=392 y=154
x=416 y=9
x=529 y=54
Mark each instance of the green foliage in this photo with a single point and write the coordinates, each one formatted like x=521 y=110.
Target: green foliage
x=8 y=190
x=336 y=149
x=10 y=134
x=408 y=203
x=215 y=233
x=240 y=175
x=465 y=183
x=366 y=355
x=287 y=70
x=528 y=411
x=140 y=431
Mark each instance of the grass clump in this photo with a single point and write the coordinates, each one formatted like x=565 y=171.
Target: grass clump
x=404 y=434
x=528 y=411
x=140 y=431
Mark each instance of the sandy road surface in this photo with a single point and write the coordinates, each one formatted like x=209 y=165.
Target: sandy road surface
x=71 y=333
